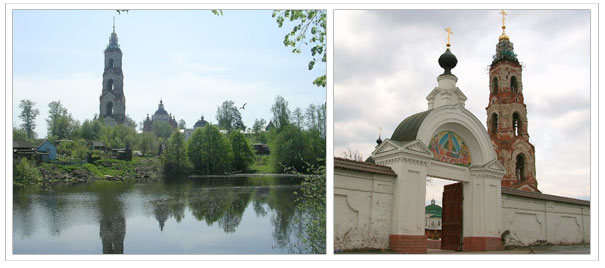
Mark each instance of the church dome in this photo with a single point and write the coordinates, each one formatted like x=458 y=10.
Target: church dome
x=161 y=114
x=200 y=123
x=408 y=128
x=448 y=61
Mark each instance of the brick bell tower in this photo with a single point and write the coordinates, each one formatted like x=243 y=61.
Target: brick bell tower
x=112 y=101
x=507 y=122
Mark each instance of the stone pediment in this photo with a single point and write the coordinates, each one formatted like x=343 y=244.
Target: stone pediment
x=385 y=146
x=418 y=148
x=496 y=166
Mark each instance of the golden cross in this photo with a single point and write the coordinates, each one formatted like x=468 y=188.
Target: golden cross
x=503 y=17
x=379 y=131
x=449 y=31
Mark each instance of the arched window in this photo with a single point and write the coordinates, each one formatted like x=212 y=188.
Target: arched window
x=517 y=126
x=494 y=123
x=110 y=63
x=109 y=110
x=495 y=85
x=520 y=168
x=513 y=84
x=110 y=84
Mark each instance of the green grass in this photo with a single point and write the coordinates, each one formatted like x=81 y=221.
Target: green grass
x=261 y=164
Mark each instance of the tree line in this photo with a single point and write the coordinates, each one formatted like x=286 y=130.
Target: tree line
x=297 y=140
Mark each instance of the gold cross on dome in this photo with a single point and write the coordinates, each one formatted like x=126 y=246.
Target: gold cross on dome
x=379 y=131
x=503 y=17
x=449 y=31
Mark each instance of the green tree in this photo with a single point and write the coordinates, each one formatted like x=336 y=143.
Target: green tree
x=60 y=123
x=281 y=113
x=289 y=150
x=209 y=151
x=312 y=204
x=242 y=153
x=229 y=117
x=74 y=150
x=297 y=118
x=175 y=157
x=25 y=172
x=258 y=125
x=28 y=116
x=119 y=136
x=146 y=142
x=19 y=134
x=182 y=124
x=87 y=131
x=161 y=129
x=305 y=22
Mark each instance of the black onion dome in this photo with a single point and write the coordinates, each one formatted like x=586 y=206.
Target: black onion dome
x=379 y=141
x=160 y=111
x=200 y=123
x=408 y=128
x=448 y=61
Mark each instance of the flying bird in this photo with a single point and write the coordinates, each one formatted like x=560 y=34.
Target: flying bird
x=243 y=106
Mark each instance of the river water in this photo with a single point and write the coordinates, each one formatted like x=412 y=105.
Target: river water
x=204 y=216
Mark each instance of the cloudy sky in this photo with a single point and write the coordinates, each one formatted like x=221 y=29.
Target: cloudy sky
x=385 y=64
x=191 y=59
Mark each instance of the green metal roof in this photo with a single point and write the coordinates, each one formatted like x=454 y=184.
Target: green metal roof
x=408 y=128
x=433 y=209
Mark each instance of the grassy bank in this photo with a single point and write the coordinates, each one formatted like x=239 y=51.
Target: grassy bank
x=139 y=169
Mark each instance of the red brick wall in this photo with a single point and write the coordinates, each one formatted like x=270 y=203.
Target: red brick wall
x=434 y=244
x=482 y=244
x=415 y=244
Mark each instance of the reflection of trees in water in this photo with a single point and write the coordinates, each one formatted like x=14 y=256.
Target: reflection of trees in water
x=260 y=197
x=111 y=216
x=23 y=213
x=225 y=203
x=282 y=202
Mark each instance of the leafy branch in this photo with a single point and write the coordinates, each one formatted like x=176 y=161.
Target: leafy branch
x=306 y=21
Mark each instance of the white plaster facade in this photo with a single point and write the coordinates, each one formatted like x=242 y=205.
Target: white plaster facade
x=534 y=221
x=362 y=205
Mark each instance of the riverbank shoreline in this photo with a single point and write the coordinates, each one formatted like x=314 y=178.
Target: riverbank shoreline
x=248 y=175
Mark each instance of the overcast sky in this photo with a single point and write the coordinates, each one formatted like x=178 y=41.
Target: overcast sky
x=191 y=59
x=385 y=64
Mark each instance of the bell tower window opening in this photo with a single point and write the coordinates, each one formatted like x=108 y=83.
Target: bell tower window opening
x=495 y=85
x=520 y=168
x=513 y=84
x=516 y=124
x=109 y=111
x=110 y=85
x=111 y=63
x=494 y=124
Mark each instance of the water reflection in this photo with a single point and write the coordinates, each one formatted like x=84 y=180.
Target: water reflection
x=111 y=216
x=219 y=204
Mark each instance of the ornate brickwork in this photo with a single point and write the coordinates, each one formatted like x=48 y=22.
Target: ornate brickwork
x=507 y=121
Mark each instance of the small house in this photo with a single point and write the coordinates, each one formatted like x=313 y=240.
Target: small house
x=47 y=151
x=23 y=148
x=96 y=145
x=260 y=148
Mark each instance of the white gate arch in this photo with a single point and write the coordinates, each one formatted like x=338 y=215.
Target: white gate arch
x=408 y=154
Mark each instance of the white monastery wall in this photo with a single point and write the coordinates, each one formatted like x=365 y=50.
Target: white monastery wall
x=362 y=209
x=535 y=220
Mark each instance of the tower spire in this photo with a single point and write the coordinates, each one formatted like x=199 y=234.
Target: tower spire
x=114 y=24
x=449 y=32
x=503 y=36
